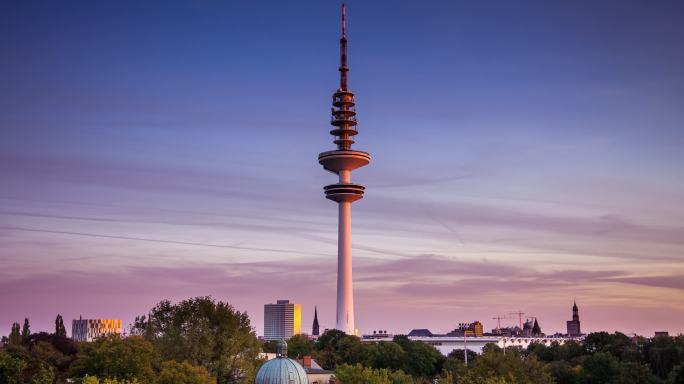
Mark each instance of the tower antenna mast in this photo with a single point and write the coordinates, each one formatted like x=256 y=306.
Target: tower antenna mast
x=343 y=50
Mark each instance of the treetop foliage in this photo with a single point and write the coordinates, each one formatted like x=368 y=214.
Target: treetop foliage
x=203 y=332
x=60 y=330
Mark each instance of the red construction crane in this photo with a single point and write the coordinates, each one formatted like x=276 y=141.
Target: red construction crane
x=520 y=316
x=498 y=321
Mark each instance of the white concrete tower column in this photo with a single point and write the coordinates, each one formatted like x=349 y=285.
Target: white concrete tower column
x=345 y=290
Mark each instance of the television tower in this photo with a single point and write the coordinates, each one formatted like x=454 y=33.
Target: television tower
x=341 y=162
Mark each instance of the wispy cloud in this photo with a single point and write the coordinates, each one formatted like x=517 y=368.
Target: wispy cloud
x=382 y=285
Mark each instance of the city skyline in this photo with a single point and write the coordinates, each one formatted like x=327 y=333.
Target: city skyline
x=152 y=152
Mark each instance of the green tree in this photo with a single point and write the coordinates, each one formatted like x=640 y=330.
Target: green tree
x=25 y=331
x=422 y=360
x=299 y=346
x=445 y=378
x=543 y=352
x=511 y=367
x=399 y=377
x=415 y=358
x=570 y=351
x=636 y=373
x=15 y=335
x=358 y=374
x=60 y=330
x=368 y=355
x=95 y=380
x=618 y=344
x=600 y=368
x=488 y=380
x=44 y=375
x=383 y=354
x=563 y=373
x=452 y=370
x=270 y=346
x=495 y=349
x=45 y=352
x=663 y=354
x=386 y=355
x=51 y=350
x=327 y=348
x=90 y=380
x=173 y=372
x=204 y=332
x=116 y=357
x=11 y=369
x=677 y=375
x=350 y=350
x=458 y=355
x=596 y=341
x=120 y=381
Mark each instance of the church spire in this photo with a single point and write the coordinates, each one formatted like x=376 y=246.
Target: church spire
x=315 y=331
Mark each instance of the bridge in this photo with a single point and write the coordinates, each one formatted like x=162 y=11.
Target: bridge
x=446 y=344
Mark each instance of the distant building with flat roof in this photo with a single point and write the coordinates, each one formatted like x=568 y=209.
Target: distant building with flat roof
x=282 y=320
x=380 y=334
x=90 y=329
x=420 y=332
x=468 y=329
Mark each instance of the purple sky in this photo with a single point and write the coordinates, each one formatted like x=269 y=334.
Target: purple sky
x=524 y=154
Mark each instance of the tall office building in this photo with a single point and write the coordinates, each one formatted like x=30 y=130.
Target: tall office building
x=90 y=329
x=574 y=324
x=282 y=320
x=342 y=161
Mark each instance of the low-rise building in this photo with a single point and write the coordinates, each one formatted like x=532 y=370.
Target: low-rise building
x=314 y=372
x=468 y=329
x=420 y=332
x=381 y=334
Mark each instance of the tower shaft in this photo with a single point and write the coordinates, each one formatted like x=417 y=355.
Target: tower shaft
x=345 y=292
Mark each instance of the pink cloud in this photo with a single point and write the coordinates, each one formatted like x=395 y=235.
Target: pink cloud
x=426 y=291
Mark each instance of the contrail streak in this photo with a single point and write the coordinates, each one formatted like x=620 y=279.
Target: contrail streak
x=98 y=235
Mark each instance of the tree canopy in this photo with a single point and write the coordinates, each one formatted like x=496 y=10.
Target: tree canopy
x=60 y=331
x=203 y=341
x=116 y=357
x=203 y=332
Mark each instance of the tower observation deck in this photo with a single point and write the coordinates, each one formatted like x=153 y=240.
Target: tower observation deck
x=341 y=161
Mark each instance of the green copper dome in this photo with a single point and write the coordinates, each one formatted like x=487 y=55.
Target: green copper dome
x=281 y=370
